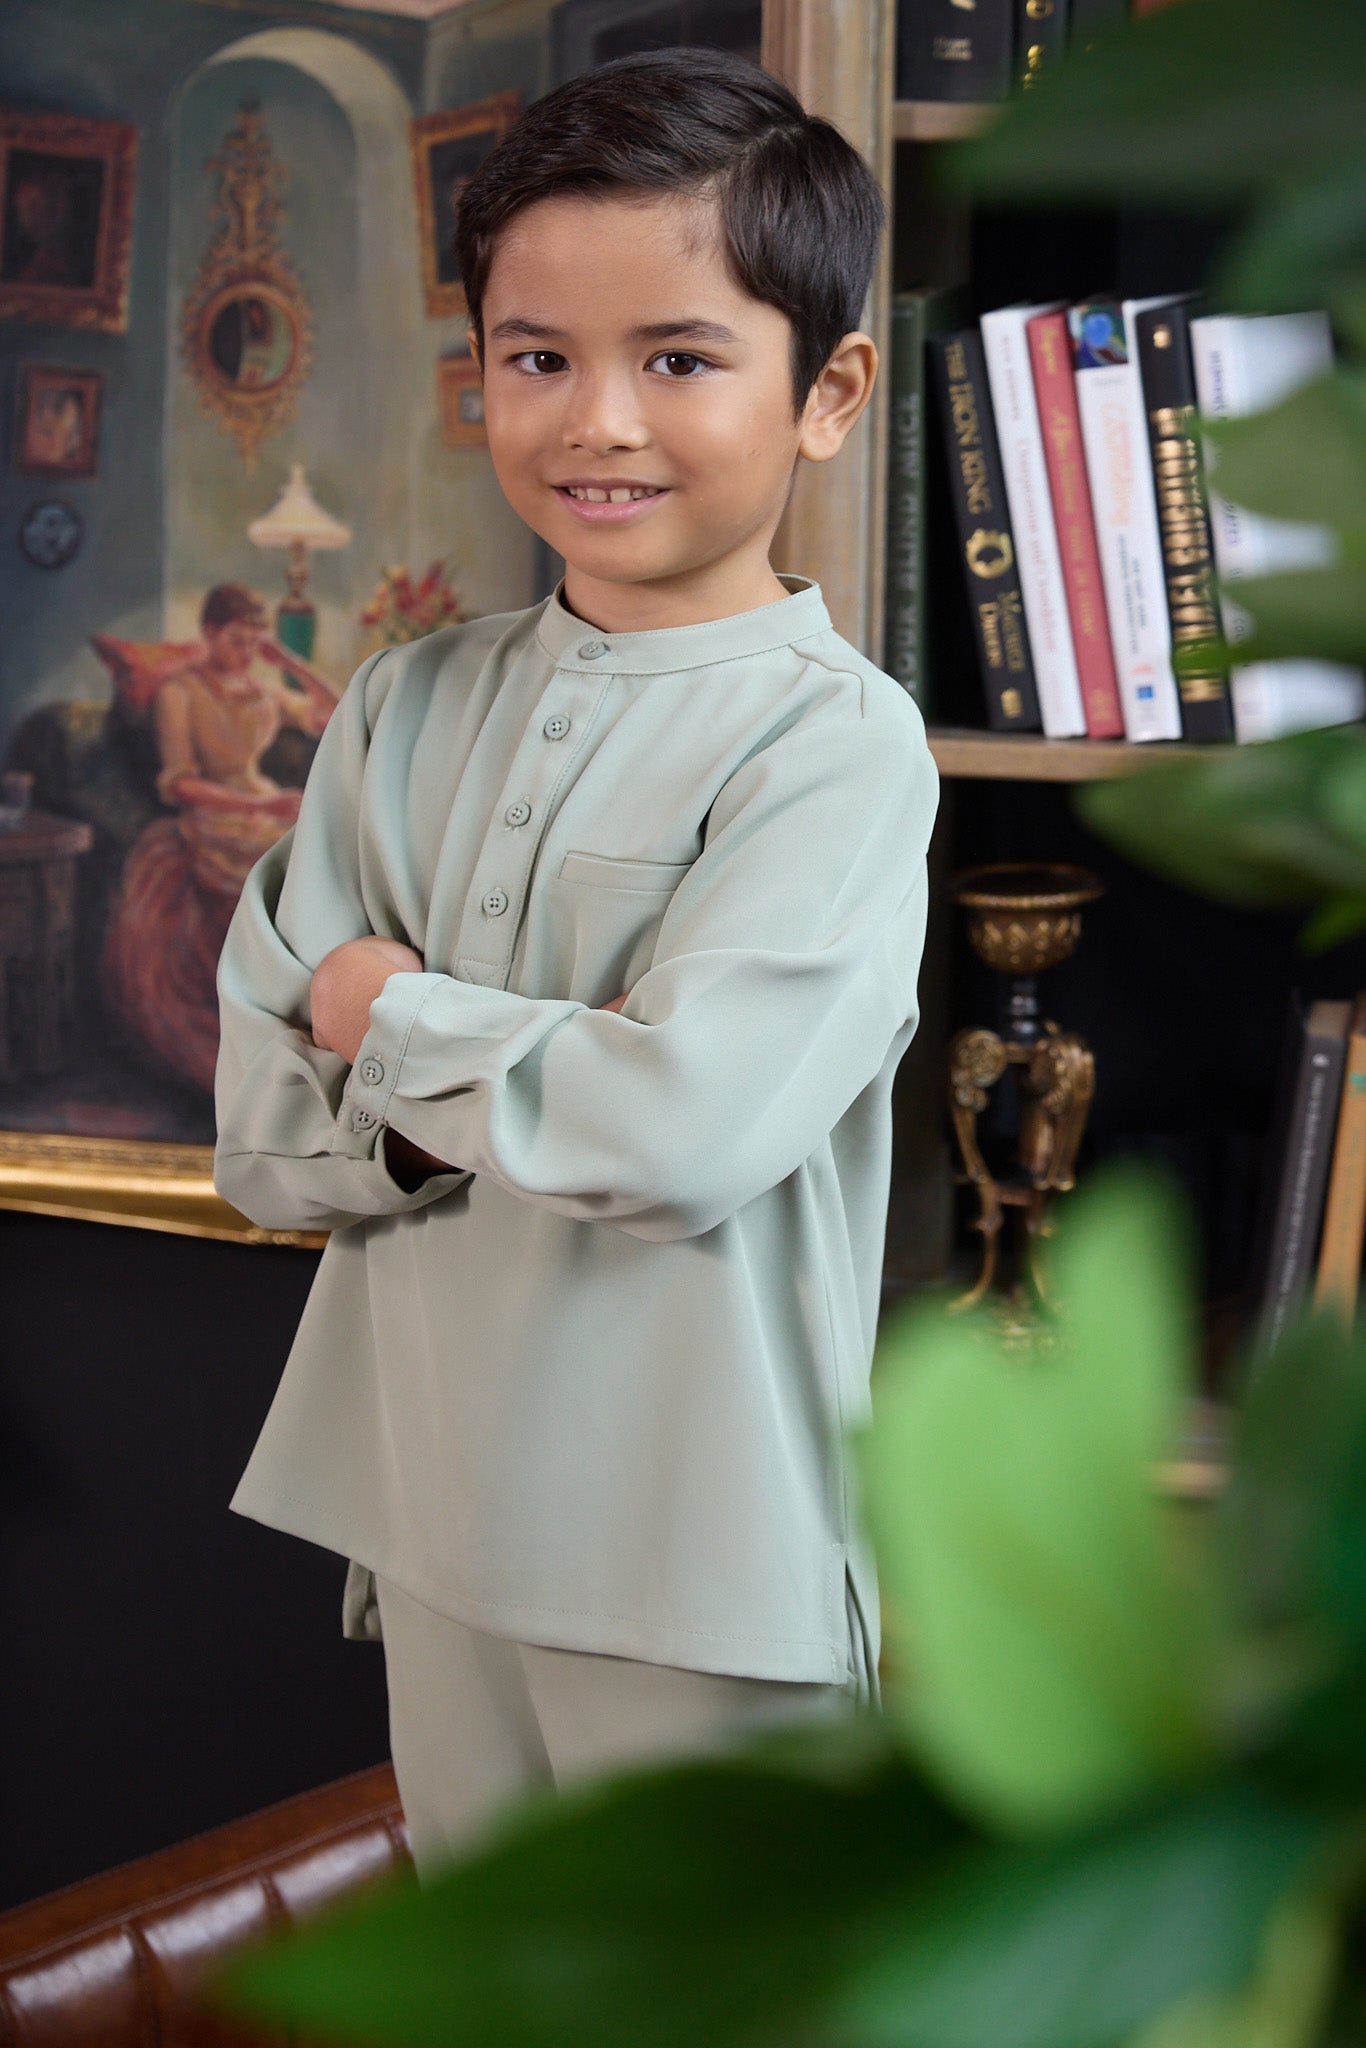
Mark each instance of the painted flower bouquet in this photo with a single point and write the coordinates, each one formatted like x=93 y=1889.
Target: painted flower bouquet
x=407 y=608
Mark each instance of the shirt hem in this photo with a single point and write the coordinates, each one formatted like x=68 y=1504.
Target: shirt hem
x=797 y=1658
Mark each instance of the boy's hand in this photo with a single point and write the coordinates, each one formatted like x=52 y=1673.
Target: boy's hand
x=346 y=982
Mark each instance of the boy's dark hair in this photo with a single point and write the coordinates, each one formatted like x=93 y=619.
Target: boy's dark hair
x=800 y=209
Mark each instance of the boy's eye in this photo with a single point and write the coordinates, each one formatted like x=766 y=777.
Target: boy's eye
x=678 y=355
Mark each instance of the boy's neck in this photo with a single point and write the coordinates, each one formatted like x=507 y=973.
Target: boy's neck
x=646 y=607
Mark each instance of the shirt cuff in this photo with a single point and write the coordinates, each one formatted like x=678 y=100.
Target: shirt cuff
x=374 y=1071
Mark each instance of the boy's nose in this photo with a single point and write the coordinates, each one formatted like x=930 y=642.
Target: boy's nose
x=603 y=413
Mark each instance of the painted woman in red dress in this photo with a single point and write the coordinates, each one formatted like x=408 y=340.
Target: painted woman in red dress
x=213 y=719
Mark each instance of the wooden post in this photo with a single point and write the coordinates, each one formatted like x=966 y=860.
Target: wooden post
x=837 y=56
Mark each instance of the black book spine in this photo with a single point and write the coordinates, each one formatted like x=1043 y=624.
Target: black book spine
x=1164 y=365
x=986 y=545
x=1306 y=1150
x=1040 y=38
x=944 y=52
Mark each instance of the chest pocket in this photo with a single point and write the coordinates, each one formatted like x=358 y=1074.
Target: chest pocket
x=607 y=916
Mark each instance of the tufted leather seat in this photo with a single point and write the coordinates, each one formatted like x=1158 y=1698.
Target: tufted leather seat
x=113 y=1962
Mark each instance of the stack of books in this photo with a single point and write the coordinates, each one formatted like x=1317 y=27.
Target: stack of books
x=1088 y=534
x=1314 y=1198
x=948 y=51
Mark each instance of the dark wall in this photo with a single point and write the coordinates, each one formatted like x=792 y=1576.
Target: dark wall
x=167 y=1665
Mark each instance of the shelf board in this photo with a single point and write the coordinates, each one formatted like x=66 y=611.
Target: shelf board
x=941 y=120
x=969 y=755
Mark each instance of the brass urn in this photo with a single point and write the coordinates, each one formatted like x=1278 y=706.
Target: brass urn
x=1023 y=918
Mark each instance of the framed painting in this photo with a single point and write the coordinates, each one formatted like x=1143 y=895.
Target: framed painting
x=460 y=391
x=57 y=432
x=66 y=219
x=447 y=150
x=127 y=829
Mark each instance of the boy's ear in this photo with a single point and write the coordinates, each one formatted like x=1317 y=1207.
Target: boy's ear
x=473 y=341
x=838 y=396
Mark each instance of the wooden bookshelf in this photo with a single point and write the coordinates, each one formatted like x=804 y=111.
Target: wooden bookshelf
x=966 y=755
x=940 y=120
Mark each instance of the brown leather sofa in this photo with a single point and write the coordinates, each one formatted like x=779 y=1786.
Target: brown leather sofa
x=113 y=1962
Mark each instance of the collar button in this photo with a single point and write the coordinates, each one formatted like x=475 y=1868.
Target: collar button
x=591 y=649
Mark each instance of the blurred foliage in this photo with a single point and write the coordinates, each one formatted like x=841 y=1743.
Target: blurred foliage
x=1119 y=1791
x=1259 y=105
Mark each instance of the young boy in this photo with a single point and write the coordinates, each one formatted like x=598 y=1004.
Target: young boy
x=572 y=1003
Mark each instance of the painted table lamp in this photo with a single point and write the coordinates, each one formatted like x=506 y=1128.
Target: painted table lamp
x=297 y=522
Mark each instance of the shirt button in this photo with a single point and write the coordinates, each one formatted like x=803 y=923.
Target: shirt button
x=372 y=1072
x=518 y=813
x=556 y=726
x=495 y=903
x=362 y=1119
x=591 y=649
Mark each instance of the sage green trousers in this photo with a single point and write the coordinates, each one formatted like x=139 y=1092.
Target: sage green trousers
x=475 y=1720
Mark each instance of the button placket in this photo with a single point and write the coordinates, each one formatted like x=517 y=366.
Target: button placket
x=502 y=872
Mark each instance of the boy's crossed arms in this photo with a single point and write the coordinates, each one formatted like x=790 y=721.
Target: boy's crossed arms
x=345 y=983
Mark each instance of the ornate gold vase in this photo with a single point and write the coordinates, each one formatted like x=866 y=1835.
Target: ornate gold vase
x=1023 y=918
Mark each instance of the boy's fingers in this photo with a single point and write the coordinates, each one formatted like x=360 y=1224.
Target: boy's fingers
x=616 y=1002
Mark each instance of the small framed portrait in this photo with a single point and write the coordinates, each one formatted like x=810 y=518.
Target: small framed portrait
x=447 y=150
x=66 y=218
x=58 y=428
x=460 y=396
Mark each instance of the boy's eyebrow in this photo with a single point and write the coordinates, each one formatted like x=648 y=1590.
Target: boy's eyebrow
x=520 y=328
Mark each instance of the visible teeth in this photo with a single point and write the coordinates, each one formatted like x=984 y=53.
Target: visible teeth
x=617 y=497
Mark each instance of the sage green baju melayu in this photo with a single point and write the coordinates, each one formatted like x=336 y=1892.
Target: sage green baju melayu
x=590 y=1388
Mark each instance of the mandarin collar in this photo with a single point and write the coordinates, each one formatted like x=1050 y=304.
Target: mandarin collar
x=572 y=643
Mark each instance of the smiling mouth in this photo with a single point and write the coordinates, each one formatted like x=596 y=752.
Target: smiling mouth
x=589 y=494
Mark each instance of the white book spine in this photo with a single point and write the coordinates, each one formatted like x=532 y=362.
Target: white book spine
x=1018 y=431
x=1244 y=365
x=1115 y=444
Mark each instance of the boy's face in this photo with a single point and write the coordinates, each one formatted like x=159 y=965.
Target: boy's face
x=576 y=394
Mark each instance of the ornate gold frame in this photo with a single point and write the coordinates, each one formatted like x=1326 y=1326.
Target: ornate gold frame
x=244 y=260
x=493 y=116
x=455 y=375
x=103 y=304
x=110 y=1180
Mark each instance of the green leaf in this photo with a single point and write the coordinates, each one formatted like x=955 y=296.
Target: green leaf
x=1051 y=1662
x=1304 y=246
x=1280 y=823
x=716 y=1903
x=1284 y=2005
x=1302 y=459
x=730 y=1905
x=1292 y=1530
x=1337 y=919
x=1310 y=612
x=1079 y=1944
x=1210 y=101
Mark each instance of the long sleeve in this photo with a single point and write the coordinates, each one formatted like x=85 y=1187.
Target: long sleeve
x=277 y=1095
x=784 y=971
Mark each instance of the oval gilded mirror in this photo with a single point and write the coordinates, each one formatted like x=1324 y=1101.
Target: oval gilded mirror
x=246 y=330
x=249 y=337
